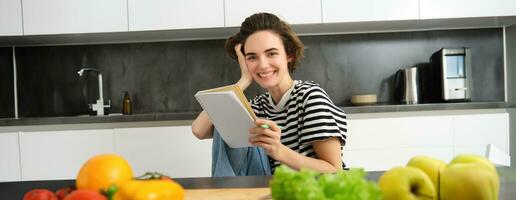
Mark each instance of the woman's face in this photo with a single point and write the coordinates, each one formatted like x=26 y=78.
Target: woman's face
x=267 y=60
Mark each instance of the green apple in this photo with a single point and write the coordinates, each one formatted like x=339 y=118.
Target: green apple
x=406 y=183
x=431 y=166
x=469 y=176
x=473 y=158
x=469 y=181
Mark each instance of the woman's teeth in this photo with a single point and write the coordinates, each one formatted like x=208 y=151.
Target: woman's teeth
x=265 y=74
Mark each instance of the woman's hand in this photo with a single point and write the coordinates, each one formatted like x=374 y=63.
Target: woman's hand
x=328 y=151
x=245 y=79
x=267 y=138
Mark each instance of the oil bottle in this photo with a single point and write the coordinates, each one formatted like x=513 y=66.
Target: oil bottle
x=127 y=104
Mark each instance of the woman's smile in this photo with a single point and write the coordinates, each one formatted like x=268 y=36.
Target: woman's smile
x=265 y=75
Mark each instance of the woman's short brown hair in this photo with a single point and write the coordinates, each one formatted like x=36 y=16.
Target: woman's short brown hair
x=266 y=21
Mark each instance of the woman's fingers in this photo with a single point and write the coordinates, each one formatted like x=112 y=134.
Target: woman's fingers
x=270 y=145
x=262 y=138
x=237 y=49
x=258 y=131
x=271 y=124
x=246 y=79
x=262 y=141
x=267 y=135
x=240 y=55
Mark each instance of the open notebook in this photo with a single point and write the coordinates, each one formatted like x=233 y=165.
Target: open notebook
x=230 y=112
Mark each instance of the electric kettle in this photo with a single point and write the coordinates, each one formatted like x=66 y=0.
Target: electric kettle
x=408 y=86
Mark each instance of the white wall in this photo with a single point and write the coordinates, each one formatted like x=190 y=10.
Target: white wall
x=511 y=85
x=512 y=133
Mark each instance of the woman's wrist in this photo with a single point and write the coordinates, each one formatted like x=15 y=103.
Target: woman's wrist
x=280 y=153
x=243 y=83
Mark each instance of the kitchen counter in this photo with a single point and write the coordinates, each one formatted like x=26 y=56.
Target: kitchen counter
x=191 y=115
x=16 y=190
x=425 y=107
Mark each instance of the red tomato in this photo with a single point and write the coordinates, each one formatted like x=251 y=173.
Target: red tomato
x=40 y=194
x=61 y=193
x=85 y=195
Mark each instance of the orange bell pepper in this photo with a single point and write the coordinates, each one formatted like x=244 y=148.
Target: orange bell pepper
x=150 y=190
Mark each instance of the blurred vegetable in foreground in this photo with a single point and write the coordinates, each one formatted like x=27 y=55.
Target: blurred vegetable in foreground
x=306 y=184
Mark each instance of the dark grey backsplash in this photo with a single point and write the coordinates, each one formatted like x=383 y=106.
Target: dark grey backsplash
x=6 y=83
x=164 y=76
x=347 y=65
x=161 y=77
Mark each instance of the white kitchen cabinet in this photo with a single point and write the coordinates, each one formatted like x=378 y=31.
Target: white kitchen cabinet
x=172 y=150
x=175 y=14
x=400 y=132
x=77 y=16
x=382 y=143
x=369 y=10
x=50 y=155
x=10 y=18
x=292 y=11
x=474 y=132
x=435 y=9
x=10 y=157
x=385 y=159
x=374 y=142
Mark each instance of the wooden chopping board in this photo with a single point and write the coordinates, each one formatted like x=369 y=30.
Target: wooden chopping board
x=229 y=194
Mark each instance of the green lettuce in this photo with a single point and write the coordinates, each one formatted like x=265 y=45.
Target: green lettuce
x=288 y=184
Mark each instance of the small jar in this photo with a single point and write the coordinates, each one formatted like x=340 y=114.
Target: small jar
x=127 y=104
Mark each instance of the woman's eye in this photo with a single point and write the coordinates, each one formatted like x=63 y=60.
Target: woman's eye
x=273 y=54
x=250 y=57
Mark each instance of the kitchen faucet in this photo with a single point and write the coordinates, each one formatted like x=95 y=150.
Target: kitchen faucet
x=99 y=106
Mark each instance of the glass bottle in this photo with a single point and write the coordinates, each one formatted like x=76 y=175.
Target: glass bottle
x=126 y=105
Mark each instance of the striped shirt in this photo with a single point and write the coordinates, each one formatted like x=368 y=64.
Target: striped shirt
x=305 y=114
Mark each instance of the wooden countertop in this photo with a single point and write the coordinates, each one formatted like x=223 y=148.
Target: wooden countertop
x=229 y=194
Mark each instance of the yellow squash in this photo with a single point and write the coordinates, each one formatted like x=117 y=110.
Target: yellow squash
x=150 y=190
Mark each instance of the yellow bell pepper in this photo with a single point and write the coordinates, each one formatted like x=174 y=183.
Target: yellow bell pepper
x=150 y=190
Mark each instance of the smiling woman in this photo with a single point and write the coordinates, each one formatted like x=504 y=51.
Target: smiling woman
x=306 y=129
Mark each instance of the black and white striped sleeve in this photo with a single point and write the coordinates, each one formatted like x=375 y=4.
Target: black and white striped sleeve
x=321 y=118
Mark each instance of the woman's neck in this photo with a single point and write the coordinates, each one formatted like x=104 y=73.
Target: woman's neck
x=278 y=91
